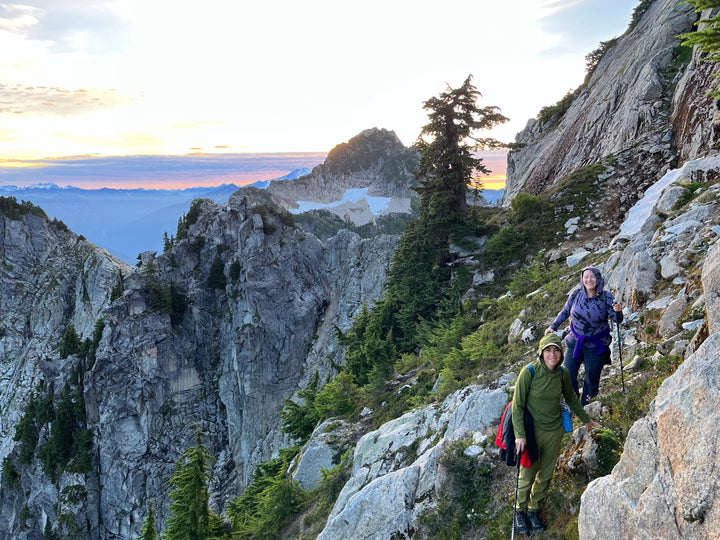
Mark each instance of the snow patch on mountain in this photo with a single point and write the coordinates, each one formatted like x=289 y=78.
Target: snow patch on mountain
x=376 y=205
x=643 y=209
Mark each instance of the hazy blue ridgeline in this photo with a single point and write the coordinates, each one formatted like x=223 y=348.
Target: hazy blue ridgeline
x=126 y=222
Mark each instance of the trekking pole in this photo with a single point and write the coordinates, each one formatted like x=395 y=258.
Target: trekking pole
x=517 y=482
x=622 y=376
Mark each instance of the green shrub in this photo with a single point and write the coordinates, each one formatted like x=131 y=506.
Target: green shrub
x=70 y=343
x=11 y=209
x=61 y=445
x=268 y=503
x=117 y=290
x=609 y=449
x=333 y=480
x=194 y=212
x=300 y=420
x=505 y=245
x=339 y=397
x=235 y=270
x=688 y=195
x=36 y=413
x=23 y=517
x=166 y=297
x=552 y=114
x=525 y=206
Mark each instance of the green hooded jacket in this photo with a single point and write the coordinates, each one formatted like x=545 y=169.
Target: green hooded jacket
x=542 y=394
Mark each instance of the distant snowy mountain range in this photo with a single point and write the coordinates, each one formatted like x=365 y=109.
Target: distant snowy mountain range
x=127 y=222
x=124 y=222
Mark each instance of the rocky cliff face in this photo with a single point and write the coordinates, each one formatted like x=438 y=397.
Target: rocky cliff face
x=52 y=280
x=214 y=334
x=636 y=106
x=694 y=112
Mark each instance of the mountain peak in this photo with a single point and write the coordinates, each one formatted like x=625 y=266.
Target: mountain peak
x=356 y=174
x=364 y=150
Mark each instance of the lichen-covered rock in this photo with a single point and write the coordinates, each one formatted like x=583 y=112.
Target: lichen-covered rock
x=395 y=473
x=665 y=485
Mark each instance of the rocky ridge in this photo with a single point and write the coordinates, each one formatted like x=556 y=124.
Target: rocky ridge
x=626 y=108
x=214 y=334
x=375 y=161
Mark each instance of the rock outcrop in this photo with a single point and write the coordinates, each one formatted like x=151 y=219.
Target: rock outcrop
x=373 y=164
x=624 y=105
x=396 y=473
x=665 y=485
x=655 y=246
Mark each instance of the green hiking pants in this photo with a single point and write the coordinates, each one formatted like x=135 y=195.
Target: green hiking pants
x=535 y=480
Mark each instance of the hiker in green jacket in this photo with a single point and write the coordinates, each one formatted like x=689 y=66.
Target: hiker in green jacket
x=541 y=393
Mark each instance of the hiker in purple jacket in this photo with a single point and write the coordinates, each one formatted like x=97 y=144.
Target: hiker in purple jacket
x=588 y=306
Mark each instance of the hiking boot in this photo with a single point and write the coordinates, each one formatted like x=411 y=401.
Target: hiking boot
x=520 y=523
x=535 y=522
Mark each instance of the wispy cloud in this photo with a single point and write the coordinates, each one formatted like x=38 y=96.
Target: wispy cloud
x=68 y=26
x=271 y=76
x=54 y=101
x=18 y=19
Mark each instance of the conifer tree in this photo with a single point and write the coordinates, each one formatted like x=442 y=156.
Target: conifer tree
x=149 y=531
x=419 y=282
x=168 y=242
x=216 y=276
x=117 y=290
x=191 y=517
x=447 y=145
x=181 y=232
x=70 y=342
x=707 y=38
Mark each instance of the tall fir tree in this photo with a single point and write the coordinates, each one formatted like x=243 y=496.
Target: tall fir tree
x=447 y=145
x=191 y=517
x=149 y=529
x=419 y=283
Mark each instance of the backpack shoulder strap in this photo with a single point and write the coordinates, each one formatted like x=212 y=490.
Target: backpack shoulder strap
x=531 y=369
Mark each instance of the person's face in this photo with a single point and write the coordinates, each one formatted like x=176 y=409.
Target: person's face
x=589 y=281
x=552 y=356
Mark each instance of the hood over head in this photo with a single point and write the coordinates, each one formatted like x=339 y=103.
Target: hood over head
x=599 y=282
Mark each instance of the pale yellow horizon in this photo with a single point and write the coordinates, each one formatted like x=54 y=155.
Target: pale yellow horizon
x=130 y=78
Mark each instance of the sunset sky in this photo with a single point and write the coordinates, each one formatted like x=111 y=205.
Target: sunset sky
x=128 y=77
